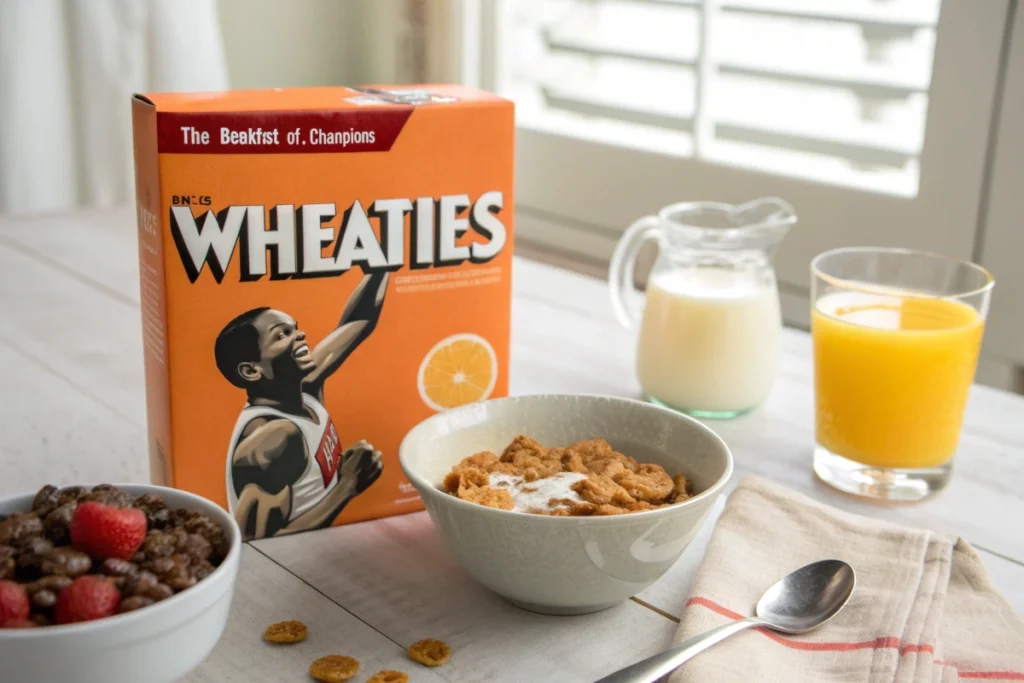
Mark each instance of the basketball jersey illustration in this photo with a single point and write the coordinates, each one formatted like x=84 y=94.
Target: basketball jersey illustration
x=323 y=454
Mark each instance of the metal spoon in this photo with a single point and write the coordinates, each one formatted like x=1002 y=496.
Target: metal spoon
x=801 y=602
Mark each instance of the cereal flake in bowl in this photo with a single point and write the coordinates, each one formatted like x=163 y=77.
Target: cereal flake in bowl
x=558 y=562
x=582 y=479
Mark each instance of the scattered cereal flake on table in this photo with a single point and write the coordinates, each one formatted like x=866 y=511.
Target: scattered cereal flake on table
x=388 y=677
x=334 y=668
x=285 y=632
x=430 y=652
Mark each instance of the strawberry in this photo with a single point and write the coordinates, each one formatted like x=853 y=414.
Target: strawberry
x=87 y=598
x=13 y=603
x=104 y=531
x=18 y=623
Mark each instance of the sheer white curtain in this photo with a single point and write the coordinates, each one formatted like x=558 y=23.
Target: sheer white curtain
x=67 y=71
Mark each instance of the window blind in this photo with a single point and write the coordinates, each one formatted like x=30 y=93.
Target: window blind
x=832 y=91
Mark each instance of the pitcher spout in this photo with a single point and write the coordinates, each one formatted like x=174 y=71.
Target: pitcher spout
x=768 y=212
x=760 y=224
x=767 y=221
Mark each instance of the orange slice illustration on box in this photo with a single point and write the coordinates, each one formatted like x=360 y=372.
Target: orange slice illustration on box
x=460 y=369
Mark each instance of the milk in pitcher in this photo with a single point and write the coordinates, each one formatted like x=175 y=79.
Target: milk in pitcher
x=709 y=342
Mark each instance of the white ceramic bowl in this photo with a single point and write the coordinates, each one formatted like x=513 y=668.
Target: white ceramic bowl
x=566 y=565
x=157 y=644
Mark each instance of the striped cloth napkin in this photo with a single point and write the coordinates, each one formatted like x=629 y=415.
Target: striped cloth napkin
x=924 y=610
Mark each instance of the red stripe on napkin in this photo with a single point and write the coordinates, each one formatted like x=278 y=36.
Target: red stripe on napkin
x=993 y=675
x=876 y=644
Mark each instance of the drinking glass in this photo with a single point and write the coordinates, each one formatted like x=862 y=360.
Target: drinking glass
x=896 y=338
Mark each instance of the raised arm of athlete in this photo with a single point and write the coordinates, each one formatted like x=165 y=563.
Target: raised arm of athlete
x=357 y=322
x=269 y=460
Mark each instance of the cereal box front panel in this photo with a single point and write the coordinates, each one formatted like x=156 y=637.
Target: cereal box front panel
x=332 y=277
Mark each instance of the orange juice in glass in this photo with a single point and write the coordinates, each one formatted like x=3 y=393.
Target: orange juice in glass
x=896 y=340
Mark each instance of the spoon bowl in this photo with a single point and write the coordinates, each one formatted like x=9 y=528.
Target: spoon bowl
x=808 y=597
x=800 y=602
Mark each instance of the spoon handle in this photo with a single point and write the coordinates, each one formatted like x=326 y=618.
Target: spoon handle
x=656 y=666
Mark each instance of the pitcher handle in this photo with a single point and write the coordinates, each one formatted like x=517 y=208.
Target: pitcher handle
x=620 y=271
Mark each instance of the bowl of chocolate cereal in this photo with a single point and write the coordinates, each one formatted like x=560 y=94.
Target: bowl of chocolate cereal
x=566 y=504
x=112 y=584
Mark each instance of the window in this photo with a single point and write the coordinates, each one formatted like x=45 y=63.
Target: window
x=835 y=92
x=872 y=117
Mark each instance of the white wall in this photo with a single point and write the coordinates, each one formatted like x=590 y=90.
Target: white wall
x=281 y=43
x=1002 y=248
x=287 y=43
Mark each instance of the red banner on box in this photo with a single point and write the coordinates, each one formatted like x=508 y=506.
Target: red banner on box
x=280 y=132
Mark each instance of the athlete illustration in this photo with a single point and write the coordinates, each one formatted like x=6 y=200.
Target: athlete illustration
x=286 y=470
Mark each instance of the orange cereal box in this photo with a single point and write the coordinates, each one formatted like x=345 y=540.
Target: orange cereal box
x=320 y=270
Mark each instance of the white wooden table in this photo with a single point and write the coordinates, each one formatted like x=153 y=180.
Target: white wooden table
x=71 y=391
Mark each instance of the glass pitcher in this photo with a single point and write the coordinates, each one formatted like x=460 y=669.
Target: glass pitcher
x=710 y=331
